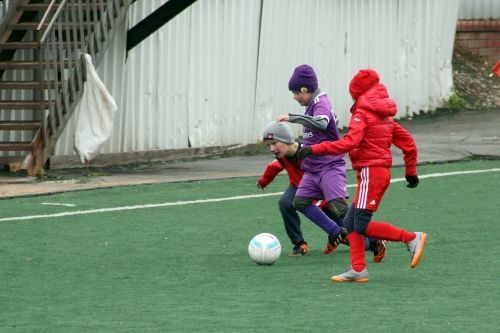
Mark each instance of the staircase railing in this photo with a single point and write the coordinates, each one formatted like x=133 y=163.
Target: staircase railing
x=61 y=42
x=5 y=8
x=76 y=27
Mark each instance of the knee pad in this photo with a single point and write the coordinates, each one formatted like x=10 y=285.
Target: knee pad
x=338 y=207
x=301 y=203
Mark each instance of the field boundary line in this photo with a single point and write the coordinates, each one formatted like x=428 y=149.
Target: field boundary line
x=240 y=197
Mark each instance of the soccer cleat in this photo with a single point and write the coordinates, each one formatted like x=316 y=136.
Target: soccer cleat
x=350 y=275
x=379 y=250
x=334 y=241
x=299 y=251
x=416 y=247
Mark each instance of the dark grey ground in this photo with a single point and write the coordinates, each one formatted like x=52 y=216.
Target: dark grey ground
x=441 y=137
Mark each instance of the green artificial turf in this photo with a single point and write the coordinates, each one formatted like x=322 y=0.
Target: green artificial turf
x=185 y=268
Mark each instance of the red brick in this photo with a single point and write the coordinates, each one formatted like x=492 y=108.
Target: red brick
x=462 y=43
x=489 y=35
x=479 y=25
x=488 y=52
x=494 y=43
x=478 y=43
x=475 y=51
x=492 y=26
x=465 y=25
x=467 y=35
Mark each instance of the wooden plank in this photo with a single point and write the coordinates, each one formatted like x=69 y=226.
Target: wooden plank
x=12 y=125
x=34 y=45
x=21 y=105
x=42 y=7
x=15 y=146
x=34 y=25
x=27 y=85
x=12 y=167
x=23 y=65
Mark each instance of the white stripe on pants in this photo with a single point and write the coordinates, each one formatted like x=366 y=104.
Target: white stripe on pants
x=363 y=187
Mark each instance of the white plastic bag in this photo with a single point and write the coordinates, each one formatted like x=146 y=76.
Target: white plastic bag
x=95 y=114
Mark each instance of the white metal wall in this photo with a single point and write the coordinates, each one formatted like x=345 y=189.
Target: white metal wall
x=479 y=10
x=409 y=43
x=218 y=72
x=192 y=83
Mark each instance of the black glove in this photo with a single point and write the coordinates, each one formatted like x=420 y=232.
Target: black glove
x=412 y=181
x=304 y=152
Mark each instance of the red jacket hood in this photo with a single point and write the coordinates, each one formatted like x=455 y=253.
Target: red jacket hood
x=377 y=100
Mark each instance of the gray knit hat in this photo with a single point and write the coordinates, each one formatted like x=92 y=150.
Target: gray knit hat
x=280 y=132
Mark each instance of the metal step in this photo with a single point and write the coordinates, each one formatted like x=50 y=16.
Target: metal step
x=20 y=125
x=27 y=85
x=33 y=45
x=22 y=105
x=42 y=7
x=26 y=65
x=26 y=13
x=15 y=146
x=34 y=25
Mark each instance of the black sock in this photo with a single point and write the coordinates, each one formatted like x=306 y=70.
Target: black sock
x=300 y=243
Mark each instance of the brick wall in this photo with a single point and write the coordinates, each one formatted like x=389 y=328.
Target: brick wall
x=480 y=37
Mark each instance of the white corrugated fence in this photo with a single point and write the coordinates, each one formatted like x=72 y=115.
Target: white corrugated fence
x=479 y=10
x=218 y=72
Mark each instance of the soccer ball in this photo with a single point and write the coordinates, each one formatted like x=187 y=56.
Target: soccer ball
x=264 y=249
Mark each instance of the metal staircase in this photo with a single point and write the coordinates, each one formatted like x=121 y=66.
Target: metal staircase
x=42 y=69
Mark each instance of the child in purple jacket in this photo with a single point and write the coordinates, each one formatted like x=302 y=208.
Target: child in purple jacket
x=325 y=175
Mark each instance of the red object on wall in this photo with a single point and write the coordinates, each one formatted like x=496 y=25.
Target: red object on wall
x=496 y=69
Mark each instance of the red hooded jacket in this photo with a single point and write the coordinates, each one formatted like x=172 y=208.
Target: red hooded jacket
x=372 y=131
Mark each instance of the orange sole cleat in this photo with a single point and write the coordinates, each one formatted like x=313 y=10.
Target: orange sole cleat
x=380 y=250
x=351 y=275
x=419 y=249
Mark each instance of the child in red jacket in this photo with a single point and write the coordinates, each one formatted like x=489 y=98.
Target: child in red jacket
x=372 y=131
x=280 y=141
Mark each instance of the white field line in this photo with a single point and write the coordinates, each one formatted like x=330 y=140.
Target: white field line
x=178 y=203
x=58 y=204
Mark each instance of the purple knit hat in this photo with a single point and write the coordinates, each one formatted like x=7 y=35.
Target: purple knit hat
x=303 y=80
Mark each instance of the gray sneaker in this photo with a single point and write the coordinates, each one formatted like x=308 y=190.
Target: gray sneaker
x=416 y=247
x=350 y=275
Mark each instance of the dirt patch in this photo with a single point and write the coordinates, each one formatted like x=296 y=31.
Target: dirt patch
x=474 y=80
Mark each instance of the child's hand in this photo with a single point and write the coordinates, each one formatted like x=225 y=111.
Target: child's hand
x=282 y=118
x=304 y=152
x=412 y=181
x=261 y=185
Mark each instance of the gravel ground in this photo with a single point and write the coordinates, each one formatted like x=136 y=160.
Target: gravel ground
x=474 y=80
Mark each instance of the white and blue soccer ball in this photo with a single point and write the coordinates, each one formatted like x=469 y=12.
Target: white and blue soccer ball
x=264 y=249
